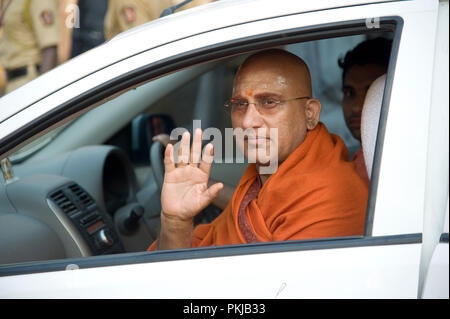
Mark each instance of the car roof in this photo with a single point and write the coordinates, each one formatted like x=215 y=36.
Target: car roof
x=212 y=16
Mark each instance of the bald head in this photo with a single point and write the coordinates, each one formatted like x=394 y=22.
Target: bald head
x=281 y=81
x=286 y=69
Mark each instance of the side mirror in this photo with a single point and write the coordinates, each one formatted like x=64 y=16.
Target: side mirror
x=143 y=128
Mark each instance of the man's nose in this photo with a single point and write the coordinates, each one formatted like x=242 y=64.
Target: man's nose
x=358 y=103
x=252 y=118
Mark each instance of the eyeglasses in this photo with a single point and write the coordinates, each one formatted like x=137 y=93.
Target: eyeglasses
x=263 y=106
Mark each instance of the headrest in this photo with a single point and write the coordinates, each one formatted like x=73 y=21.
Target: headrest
x=369 y=120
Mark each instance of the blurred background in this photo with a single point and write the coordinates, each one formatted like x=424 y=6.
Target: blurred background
x=81 y=25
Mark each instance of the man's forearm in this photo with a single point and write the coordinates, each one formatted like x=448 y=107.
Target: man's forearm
x=175 y=234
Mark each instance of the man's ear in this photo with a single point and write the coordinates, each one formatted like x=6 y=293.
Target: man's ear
x=312 y=113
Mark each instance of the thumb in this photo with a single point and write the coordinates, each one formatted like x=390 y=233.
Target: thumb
x=213 y=191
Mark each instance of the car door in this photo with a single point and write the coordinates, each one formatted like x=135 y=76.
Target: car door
x=384 y=263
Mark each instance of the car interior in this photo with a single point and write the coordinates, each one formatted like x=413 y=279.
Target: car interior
x=92 y=186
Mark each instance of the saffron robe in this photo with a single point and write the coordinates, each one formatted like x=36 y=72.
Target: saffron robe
x=315 y=193
x=360 y=164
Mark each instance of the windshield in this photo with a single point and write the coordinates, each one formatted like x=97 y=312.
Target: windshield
x=31 y=148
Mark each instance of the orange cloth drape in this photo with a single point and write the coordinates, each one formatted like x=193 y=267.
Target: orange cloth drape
x=360 y=165
x=315 y=193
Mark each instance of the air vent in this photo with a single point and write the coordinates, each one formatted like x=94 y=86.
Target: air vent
x=84 y=199
x=63 y=202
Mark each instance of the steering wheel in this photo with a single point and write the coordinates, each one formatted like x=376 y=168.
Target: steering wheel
x=157 y=163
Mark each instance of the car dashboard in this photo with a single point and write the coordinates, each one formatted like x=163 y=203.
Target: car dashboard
x=65 y=207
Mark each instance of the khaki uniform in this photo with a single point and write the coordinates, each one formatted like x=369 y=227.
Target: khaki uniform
x=28 y=27
x=126 y=14
x=191 y=4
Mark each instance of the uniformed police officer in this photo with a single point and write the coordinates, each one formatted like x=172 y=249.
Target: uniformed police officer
x=30 y=39
x=126 y=14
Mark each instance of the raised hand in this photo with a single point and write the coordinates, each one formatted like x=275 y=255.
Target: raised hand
x=185 y=191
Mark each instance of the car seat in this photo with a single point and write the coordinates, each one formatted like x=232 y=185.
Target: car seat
x=370 y=118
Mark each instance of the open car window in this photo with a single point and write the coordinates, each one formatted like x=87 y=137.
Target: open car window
x=96 y=186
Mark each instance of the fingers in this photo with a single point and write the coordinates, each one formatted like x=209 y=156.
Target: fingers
x=196 y=150
x=184 y=150
x=169 y=163
x=207 y=158
x=193 y=155
x=213 y=191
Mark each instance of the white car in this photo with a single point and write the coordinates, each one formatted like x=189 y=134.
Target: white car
x=80 y=203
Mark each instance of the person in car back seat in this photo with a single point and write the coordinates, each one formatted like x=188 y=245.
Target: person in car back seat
x=361 y=66
x=314 y=193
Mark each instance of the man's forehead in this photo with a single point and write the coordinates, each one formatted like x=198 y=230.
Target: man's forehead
x=262 y=81
x=279 y=71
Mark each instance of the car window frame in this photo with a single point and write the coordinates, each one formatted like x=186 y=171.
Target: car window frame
x=127 y=81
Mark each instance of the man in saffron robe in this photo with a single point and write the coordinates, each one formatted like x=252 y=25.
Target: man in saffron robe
x=314 y=193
